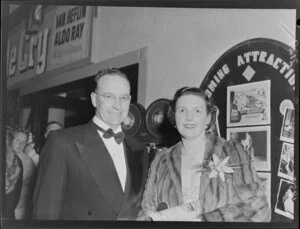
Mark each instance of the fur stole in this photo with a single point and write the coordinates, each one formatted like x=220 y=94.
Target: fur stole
x=240 y=198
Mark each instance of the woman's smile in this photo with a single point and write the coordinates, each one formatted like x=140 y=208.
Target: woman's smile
x=189 y=126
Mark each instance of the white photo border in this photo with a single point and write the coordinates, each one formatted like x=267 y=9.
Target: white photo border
x=284 y=175
x=259 y=166
x=266 y=85
x=277 y=210
x=282 y=137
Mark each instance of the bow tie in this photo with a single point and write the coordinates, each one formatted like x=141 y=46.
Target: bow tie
x=119 y=137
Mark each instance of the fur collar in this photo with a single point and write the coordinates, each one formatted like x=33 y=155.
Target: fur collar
x=213 y=145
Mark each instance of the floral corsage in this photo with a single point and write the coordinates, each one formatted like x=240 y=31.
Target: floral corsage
x=218 y=167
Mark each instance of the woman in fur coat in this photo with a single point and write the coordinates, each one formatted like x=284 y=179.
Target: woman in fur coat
x=202 y=168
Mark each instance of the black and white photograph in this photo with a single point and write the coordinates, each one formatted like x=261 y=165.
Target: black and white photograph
x=286 y=199
x=120 y=113
x=256 y=142
x=288 y=126
x=248 y=104
x=286 y=164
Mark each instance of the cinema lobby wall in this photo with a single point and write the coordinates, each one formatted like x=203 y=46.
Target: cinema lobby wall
x=173 y=46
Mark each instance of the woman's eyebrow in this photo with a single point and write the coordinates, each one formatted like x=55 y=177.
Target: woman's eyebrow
x=199 y=107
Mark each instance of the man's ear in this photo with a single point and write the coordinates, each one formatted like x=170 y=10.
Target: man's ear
x=94 y=99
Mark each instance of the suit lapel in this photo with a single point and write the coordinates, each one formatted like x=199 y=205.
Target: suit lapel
x=128 y=180
x=101 y=167
x=134 y=164
x=129 y=172
x=134 y=179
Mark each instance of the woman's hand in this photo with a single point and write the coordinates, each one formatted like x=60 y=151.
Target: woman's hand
x=29 y=148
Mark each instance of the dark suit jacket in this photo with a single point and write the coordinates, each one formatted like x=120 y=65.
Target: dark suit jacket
x=77 y=179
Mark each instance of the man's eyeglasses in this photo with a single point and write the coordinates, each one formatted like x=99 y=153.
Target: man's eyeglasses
x=112 y=98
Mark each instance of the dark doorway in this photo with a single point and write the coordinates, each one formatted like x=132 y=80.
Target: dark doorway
x=73 y=98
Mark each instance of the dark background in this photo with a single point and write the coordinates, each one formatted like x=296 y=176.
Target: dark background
x=278 y=4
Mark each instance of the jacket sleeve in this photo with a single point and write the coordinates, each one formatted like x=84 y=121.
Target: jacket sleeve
x=51 y=179
x=144 y=173
x=249 y=202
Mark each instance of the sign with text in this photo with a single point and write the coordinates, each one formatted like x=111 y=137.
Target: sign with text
x=26 y=53
x=60 y=39
x=242 y=73
x=71 y=34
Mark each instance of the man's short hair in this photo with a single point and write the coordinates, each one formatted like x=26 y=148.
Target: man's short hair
x=54 y=122
x=109 y=71
x=47 y=131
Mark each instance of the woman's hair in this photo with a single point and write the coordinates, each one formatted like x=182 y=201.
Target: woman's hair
x=12 y=131
x=210 y=107
x=19 y=129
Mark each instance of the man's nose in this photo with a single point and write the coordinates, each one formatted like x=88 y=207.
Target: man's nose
x=117 y=102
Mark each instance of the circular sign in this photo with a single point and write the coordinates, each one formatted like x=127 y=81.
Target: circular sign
x=285 y=104
x=249 y=82
x=252 y=84
x=157 y=123
x=134 y=120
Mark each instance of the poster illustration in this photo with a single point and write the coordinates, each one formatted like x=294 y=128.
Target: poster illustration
x=288 y=126
x=286 y=164
x=285 y=199
x=256 y=141
x=248 y=104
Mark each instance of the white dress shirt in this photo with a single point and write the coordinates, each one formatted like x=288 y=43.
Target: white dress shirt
x=190 y=163
x=115 y=150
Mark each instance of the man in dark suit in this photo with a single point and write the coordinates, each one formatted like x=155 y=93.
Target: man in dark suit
x=90 y=172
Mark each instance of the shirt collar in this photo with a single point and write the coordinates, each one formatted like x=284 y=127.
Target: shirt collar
x=99 y=122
